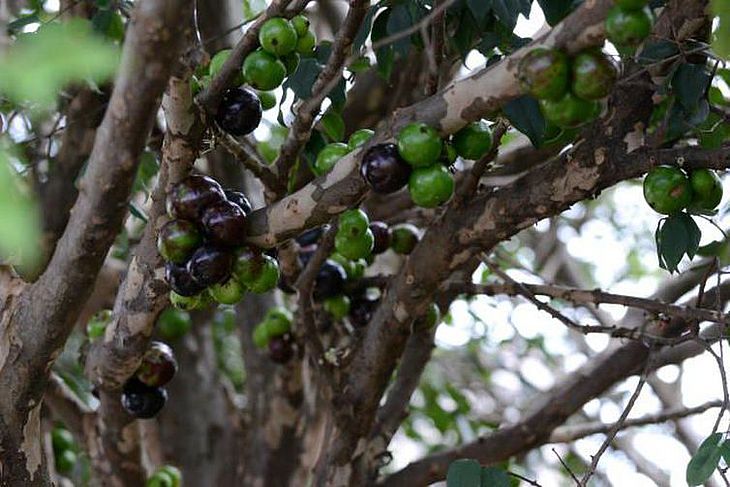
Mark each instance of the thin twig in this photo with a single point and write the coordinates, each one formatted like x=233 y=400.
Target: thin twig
x=566 y=467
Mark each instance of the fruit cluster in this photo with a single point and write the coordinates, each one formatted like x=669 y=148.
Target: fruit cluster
x=165 y=476
x=272 y=333
x=628 y=23
x=143 y=395
x=64 y=449
x=203 y=246
x=333 y=152
x=569 y=90
x=420 y=159
x=669 y=190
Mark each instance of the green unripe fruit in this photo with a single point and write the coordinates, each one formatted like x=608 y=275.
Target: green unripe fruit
x=631 y=4
x=65 y=461
x=545 y=73
x=354 y=269
x=667 y=189
x=268 y=276
x=706 y=189
x=217 y=62
x=277 y=36
x=174 y=473
x=229 y=292
x=329 y=156
x=268 y=99
x=306 y=44
x=188 y=303
x=300 y=24
x=355 y=247
x=352 y=223
x=263 y=71
x=448 y=154
x=96 y=326
x=404 y=238
x=431 y=318
x=338 y=306
x=174 y=323
x=473 y=141
x=419 y=144
x=261 y=334
x=61 y=439
x=593 y=75
x=177 y=240
x=291 y=62
x=431 y=186
x=359 y=137
x=627 y=28
x=570 y=111
x=279 y=321
x=160 y=479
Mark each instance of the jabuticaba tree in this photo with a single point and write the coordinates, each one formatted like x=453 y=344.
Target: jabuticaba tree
x=209 y=284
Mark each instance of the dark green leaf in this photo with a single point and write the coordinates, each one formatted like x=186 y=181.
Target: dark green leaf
x=109 y=23
x=524 y=114
x=18 y=24
x=333 y=126
x=398 y=21
x=479 y=9
x=712 y=249
x=466 y=34
x=693 y=235
x=137 y=212
x=721 y=44
x=323 y=51
x=556 y=10
x=672 y=242
x=494 y=477
x=383 y=55
x=508 y=10
x=464 y=473
x=365 y=27
x=705 y=460
x=304 y=77
x=656 y=51
x=690 y=82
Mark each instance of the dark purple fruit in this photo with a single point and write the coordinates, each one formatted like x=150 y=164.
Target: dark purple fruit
x=180 y=280
x=142 y=401
x=177 y=240
x=240 y=199
x=158 y=365
x=281 y=349
x=239 y=112
x=210 y=265
x=381 y=232
x=330 y=280
x=384 y=169
x=224 y=223
x=311 y=236
x=362 y=309
x=191 y=196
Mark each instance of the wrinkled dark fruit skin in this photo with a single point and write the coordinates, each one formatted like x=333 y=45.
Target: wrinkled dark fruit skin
x=210 y=265
x=142 y=401
x=225 y=223
x=180 y=280
x=361 y=310
x=281 y=349
x=158 y=365
x=311 y=236
x=239 y=112
x=190 y=197
x=381 y=232
x=240 y=199
x=384 y=170
x=330 y=281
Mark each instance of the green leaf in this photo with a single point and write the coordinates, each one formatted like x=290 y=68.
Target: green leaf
x=705 y=460
x=556 y=10
x=398 y=21
x=333 y=126
x=364 y=31
x=464 y=473
x=148 y=168
x=32 y=70
x=525 y=115
x=17 y=25
x=658 y=50
x=479 y=9
x=19 y=217
x=383 y=55
x=508 y=10
x=712 y=249
x=109 y=23
x=721 y=44
x=693 y=235
x=690 y=83
x=303 y=79
x=672 y=242
x=494 y=477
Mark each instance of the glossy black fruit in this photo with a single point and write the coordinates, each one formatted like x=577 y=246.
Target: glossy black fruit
x=381 y=232
x=142 y=401
x=158 y=365
x=384 y=169
x=362 y=309
x=310 y=236
x=210 y=265
x=239 y=112
x=281 y=349
x=180 y=280
x=330 y=280
x=190 y=197
x=240 y=199
x=224 y=223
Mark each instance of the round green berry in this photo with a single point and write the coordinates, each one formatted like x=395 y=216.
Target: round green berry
x=229 y=292
x=359 y=137
x=404 y=238
x=306 y=44
x=473 y=141
x=300 y=24
x=278 y=36
x=329 y=156
x=355 y=247
x=174 y=323
x=431 y=186
x=263 y=71
x=419 y=144
x=268 y=276
x=338 y=306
